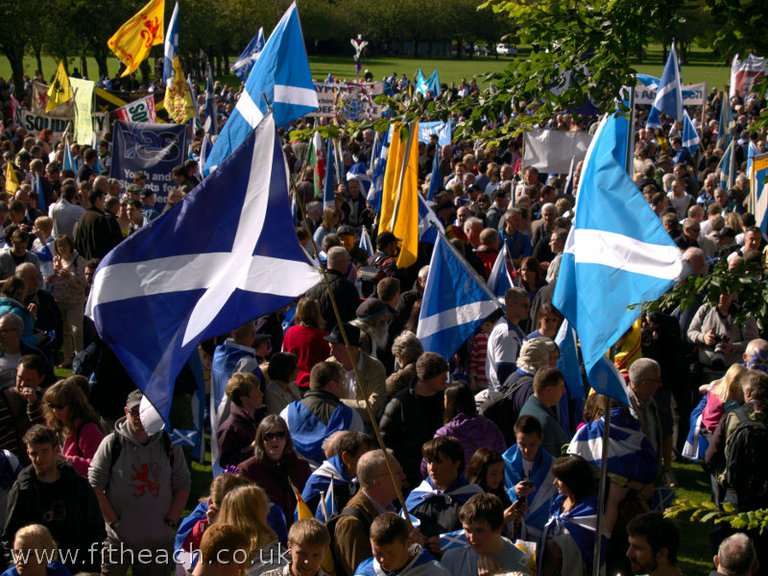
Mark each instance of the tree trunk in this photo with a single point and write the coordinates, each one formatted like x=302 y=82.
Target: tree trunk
x=146 y=72
x=39 y=59
x=15 y=55
x=101 y=61
x=84 y=65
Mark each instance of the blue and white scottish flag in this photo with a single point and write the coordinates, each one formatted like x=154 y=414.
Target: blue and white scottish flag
x=429 y=223
x=669 y=95
x=282 y=76
x=499 y=280
x=617 y=252
x=211 y=123
x=171 y=44
x=455 y=301
x=691 y=140
x=245 y=62
x=197 y=271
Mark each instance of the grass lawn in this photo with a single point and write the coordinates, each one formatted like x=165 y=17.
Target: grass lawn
x=701 y=69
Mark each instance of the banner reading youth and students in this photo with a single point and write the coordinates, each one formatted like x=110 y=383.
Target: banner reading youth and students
x=154 y=149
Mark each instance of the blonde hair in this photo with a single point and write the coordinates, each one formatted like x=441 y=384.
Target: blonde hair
x=729 y=387
x=246 y=507
x=39 y=537
x=45 y=224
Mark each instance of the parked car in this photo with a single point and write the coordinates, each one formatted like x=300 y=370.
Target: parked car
x=481 y=50
x=503 y=49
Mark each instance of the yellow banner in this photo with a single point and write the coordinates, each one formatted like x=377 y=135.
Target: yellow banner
x=59 y=91
x=83 y=110
x=133 y=41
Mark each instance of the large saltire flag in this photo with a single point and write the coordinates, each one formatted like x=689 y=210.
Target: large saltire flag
x=400 y=202
x=617 y=253
x=280 y=79
x=195 y=272
x=59 y=91
x=456 y=301
x=133 y=40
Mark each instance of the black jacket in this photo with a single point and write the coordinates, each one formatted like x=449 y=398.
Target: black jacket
x=409 y=421
x=67 y=507
x=345 y=293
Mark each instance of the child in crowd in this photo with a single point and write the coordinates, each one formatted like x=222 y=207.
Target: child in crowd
x=392 y=553
x=528 y=478
x=308 y=542
x=482 y=518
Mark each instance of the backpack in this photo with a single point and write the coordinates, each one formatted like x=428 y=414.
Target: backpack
x=500 y=409
x=116 y=445
x=745 y=463
x=338 y=565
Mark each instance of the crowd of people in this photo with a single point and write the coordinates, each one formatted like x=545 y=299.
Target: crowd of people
x=487 y=456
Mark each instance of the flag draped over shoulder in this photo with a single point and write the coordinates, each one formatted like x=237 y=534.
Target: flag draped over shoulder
x=617 y=252
x=281 y=75
x=59 y=91
x=174 y=283
x=669 y=96
x=399 y=202
x=133 y=40
x=455 y=301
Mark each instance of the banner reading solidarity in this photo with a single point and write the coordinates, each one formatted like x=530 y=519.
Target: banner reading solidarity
x=34 y=122
x=154 y=149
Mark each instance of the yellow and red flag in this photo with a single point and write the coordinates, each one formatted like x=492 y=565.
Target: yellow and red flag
x=60 y=91
x=134 y=39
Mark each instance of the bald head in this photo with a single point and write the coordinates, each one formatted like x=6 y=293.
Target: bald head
x=736 y=556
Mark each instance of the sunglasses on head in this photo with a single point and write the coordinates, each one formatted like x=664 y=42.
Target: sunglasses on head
x=270 y=436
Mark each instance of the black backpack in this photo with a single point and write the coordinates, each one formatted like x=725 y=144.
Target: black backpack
x=745 y=463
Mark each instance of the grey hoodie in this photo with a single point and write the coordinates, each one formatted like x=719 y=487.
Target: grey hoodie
x=140 y=486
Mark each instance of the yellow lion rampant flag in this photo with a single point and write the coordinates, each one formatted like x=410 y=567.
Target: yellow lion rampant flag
x=178 y=100
x=60 y=90
x=134 y=39
x=11 y=181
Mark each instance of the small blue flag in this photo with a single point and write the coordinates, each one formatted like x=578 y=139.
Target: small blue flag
x=171 y=44
x=245 y=62
x=455 y=301
x=669 y=95
x=499 y=280
x=691 y=140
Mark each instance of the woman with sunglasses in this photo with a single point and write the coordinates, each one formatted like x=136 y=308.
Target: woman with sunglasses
x=275 y=464
x=71 y=416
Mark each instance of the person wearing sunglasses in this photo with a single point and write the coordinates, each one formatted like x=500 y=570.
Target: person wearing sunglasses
x=69 y=414
x=275 y=466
